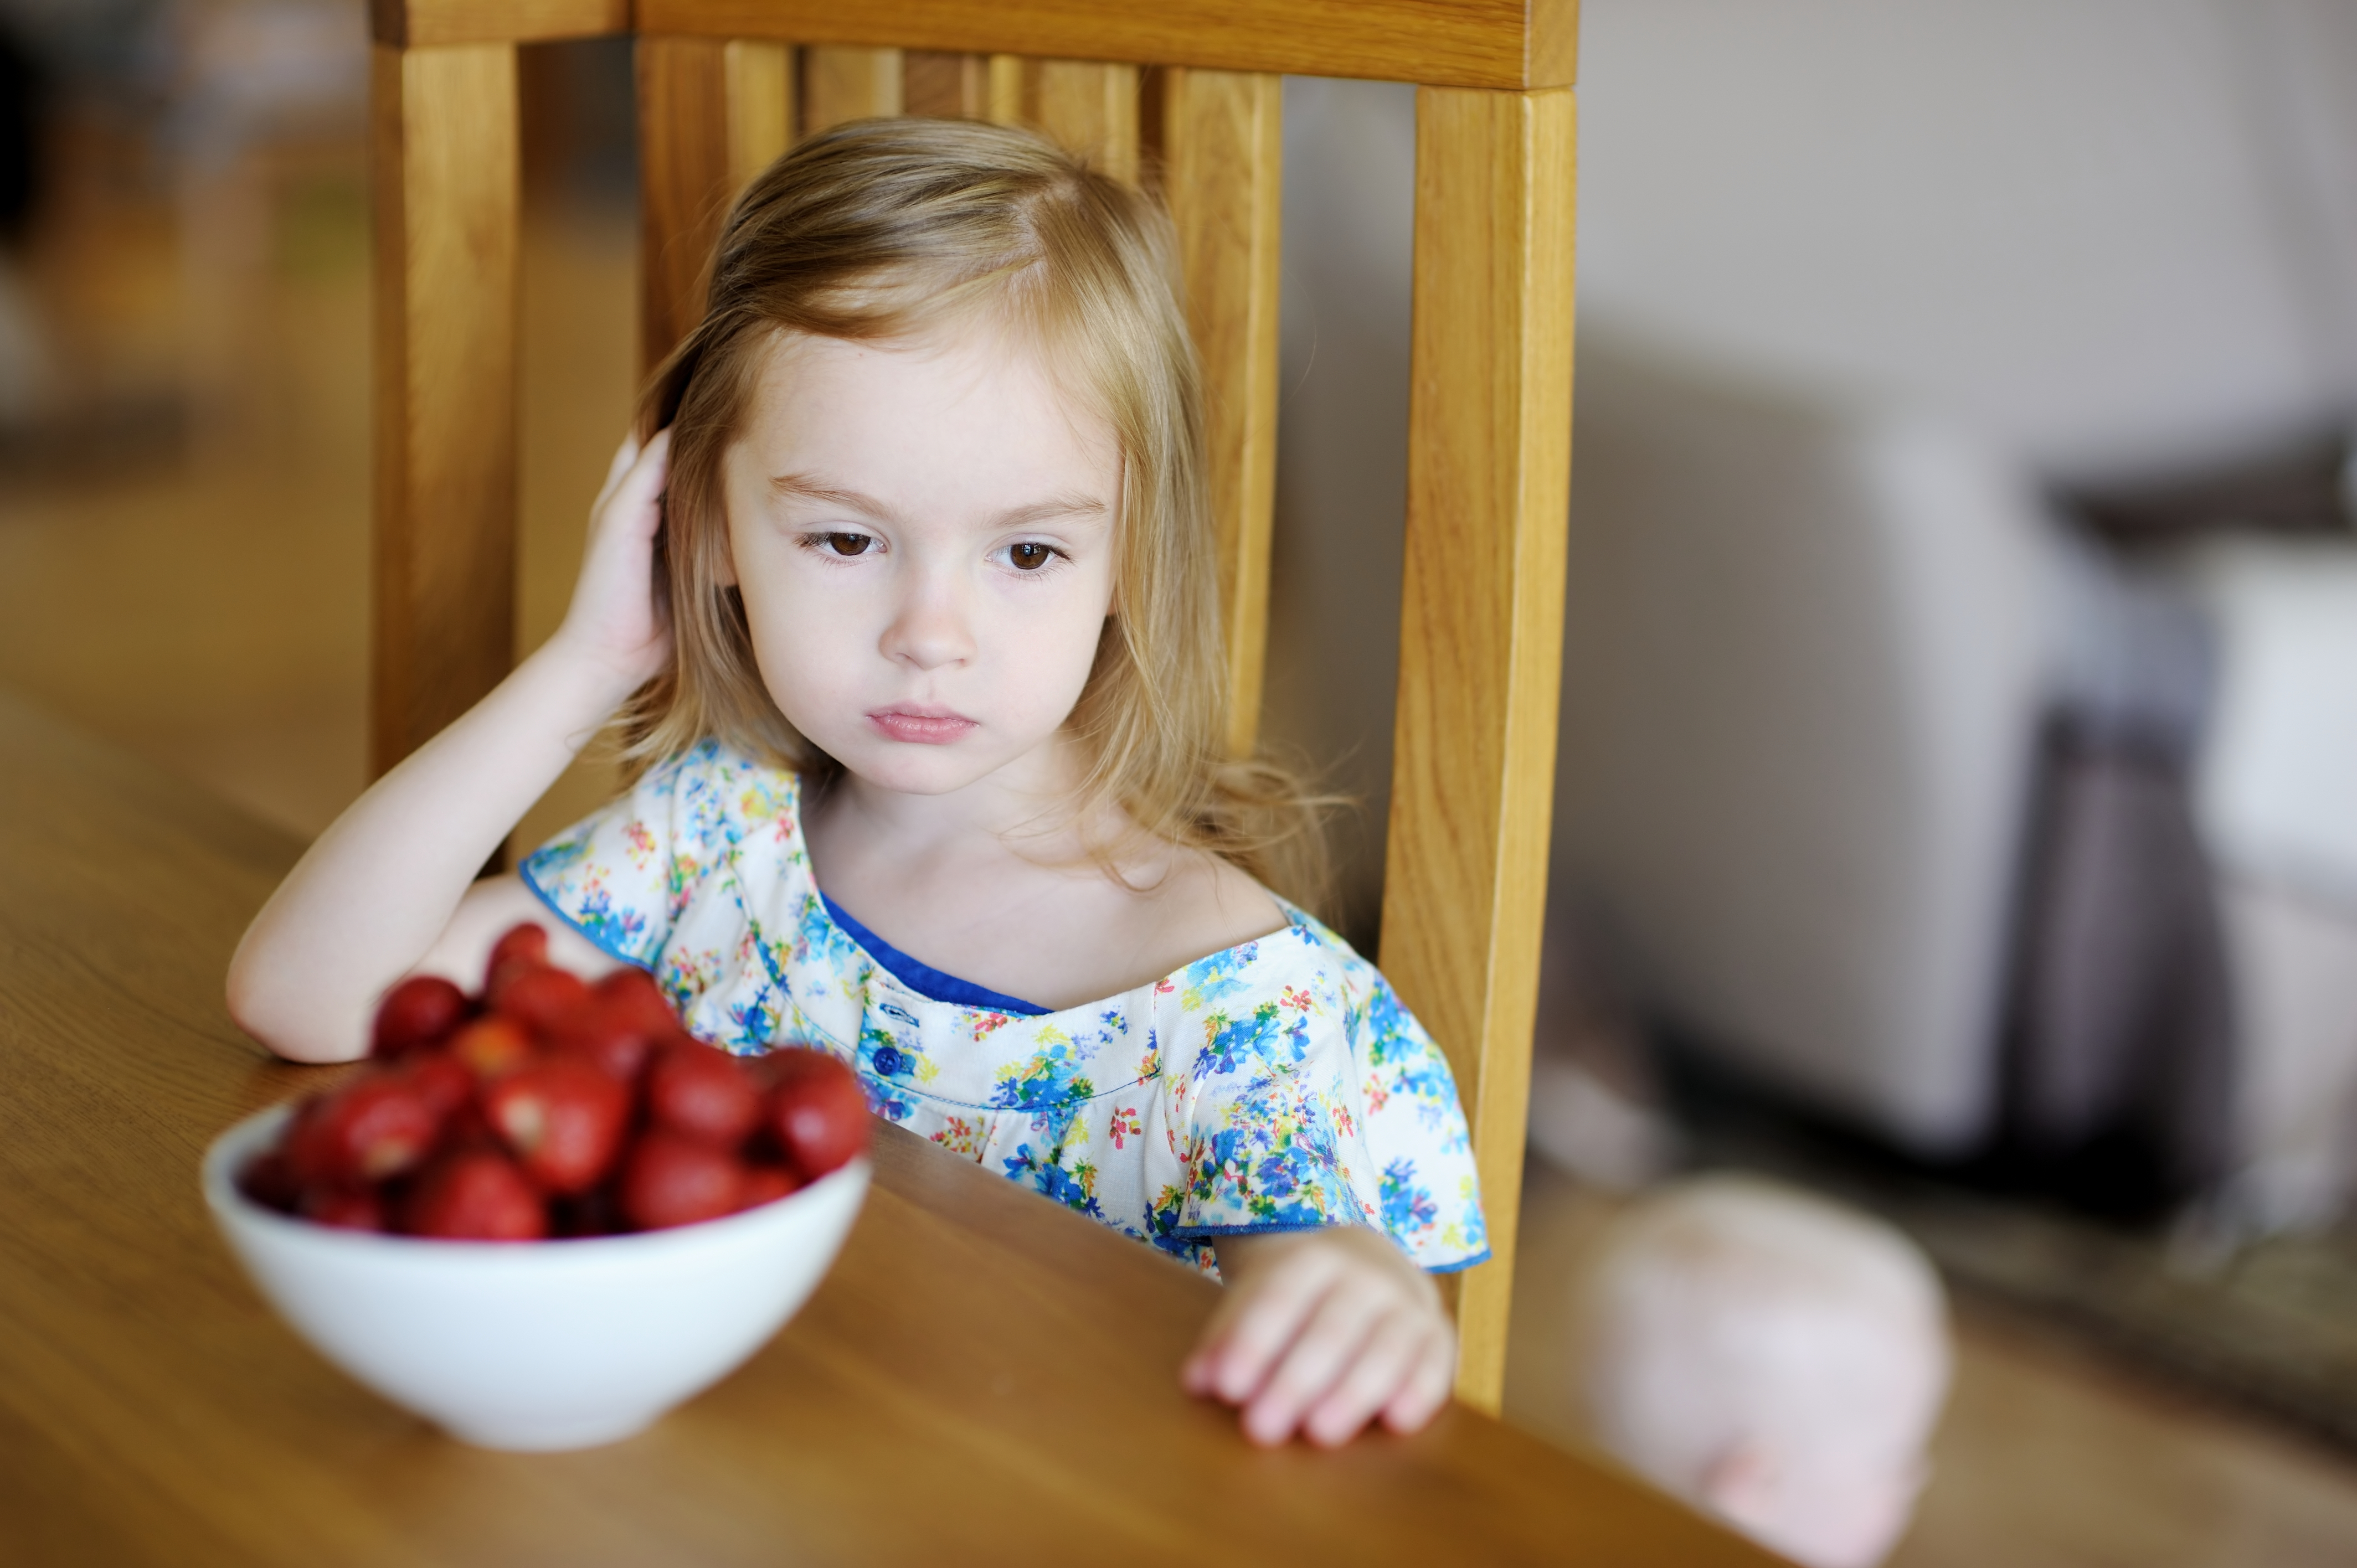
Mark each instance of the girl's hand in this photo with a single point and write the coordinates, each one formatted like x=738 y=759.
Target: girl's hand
x=614 y=619
x=1323 y=1331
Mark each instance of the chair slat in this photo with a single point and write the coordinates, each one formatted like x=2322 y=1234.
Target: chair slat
x=946 y=85
x=1085 y=105
x=445 y=186
x=841 y=84
x=1481 y=627
x=712 y=114
x=762 y=85
x=1223 y=150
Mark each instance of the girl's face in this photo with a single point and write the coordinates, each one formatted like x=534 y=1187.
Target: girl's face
x=923 y=535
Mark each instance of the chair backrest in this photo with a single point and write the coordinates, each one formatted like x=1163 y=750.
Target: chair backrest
x=1189 y=91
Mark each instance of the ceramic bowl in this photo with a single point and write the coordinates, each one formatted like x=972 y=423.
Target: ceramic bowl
x=535 y=1344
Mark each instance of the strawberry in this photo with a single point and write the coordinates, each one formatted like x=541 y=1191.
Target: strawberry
x=765 y=1184
x=669 y=1180
x=343 y=1207
x=563 y=1118
x=440 y=1079
x=632 y=996
x=371 y=1128
x=608 y=1037
x=491 y=1047
x=523 y=948
x=702 y=1093
x=542 y=1000
x=474 y=1195
x=816 y=1110
x=420 y=1011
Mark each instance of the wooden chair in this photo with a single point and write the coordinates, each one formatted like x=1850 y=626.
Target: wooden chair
x=1188 y=89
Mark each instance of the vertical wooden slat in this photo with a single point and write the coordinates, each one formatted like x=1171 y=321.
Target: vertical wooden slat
x=1090 y=107
x=760 y=87
x=1005 y=90
x=840 y=84
x=445 y=187
x=1223 y=150
x=683 y=182
x=1481 y=627
x=945 y=86
x=712 y=114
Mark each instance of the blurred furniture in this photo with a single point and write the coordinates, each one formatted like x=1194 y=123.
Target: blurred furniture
x=1803 y=670
x=1901 y=801
x=1189 y=91
x=976 y=1362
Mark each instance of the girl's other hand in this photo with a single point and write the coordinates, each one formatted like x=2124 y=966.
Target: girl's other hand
x=614 y=618
x=1323 y=1331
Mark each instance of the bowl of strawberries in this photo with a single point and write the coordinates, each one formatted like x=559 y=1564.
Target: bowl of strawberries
x=543 y=1215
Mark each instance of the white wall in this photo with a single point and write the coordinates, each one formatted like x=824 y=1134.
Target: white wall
x=2121 y=234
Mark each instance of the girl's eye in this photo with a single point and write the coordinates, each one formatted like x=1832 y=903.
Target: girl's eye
x=1029 y=558
x=850 y=543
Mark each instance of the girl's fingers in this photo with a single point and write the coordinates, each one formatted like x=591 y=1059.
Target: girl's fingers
x=1373 y=1379
x=625 y=457
x=1427 y=1388
x=1254 y=1327
x=1316 y=1358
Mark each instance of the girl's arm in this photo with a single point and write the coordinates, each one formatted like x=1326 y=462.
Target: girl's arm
x=1323 y=1331
x=383 y=887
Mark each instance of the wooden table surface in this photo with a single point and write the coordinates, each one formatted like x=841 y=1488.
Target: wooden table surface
x=983 y=1378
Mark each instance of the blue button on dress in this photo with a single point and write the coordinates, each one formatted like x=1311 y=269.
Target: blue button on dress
x=1276 y=1085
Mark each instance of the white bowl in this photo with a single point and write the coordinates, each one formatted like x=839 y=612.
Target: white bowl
x=535 y=1344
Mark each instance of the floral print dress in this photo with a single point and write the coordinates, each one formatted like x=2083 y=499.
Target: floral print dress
x=1277 y=1085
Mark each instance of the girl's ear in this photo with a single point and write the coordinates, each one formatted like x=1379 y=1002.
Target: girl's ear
x=724 y=575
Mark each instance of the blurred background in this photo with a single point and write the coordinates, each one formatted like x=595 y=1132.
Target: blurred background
x=1959 y=722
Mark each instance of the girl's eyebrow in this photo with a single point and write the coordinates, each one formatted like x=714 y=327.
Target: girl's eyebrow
x=810 y=487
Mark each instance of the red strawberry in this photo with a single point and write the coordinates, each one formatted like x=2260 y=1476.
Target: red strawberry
x=702 y=1093
x=343 y=1209
x=441 y=1079
x=669 y=1180
x=563 y=1118
x=816 y=1110
x=420 y=1011
x=765 y=1184
x=632 y=994
x=474 y=1195
x=491 y=1047
x=542 y=1000
x=373 y=1128
x=523 y=948
x=605 y=1036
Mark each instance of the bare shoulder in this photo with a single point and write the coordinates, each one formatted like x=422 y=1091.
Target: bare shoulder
x=1203 y=906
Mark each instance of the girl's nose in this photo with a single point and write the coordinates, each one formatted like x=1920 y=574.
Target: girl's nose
x=929 y=629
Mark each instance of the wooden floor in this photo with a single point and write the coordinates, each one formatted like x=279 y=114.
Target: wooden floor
x=207 y=603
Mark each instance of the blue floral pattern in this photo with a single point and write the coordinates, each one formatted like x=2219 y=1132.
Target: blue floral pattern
x=1276 y=1085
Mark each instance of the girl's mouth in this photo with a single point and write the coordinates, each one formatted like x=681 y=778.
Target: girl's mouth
x=922 y=725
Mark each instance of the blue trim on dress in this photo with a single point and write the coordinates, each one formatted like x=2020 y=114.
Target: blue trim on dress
x=922 y=978
x=1213 y=1233
x=524 y=874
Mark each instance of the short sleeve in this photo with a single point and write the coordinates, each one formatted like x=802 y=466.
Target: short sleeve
x=1259 y=1066
x=1309 y=1097
x=623 y=876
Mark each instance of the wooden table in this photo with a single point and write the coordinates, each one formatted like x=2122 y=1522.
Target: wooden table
x=983 y=1377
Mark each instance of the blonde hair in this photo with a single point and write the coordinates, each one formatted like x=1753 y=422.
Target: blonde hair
x=886 y=229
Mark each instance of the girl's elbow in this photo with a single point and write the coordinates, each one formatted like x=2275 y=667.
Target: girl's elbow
x=268 y=1014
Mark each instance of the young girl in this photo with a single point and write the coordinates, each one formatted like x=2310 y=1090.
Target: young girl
x=908 y=605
